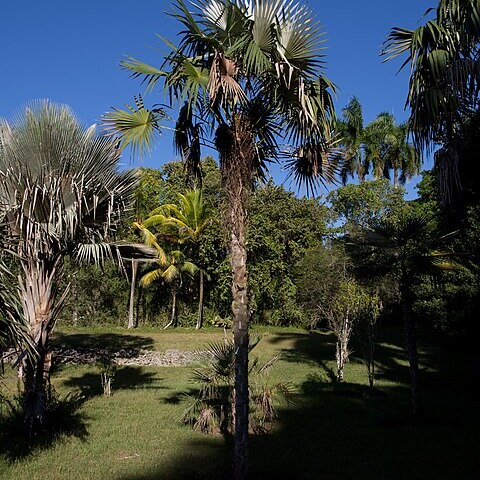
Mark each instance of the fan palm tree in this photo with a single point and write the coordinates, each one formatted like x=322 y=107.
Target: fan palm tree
x=189 y=219
x=60 y=194
x=248 y=75
x=402 y=246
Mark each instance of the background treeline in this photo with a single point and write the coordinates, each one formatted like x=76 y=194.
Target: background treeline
x=291 y=243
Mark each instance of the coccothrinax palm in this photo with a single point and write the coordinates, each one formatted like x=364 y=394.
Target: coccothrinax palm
x=248 y=74
x=60 y=194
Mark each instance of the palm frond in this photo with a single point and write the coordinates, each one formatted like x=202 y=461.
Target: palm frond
x=135 y=127
x=138 y=69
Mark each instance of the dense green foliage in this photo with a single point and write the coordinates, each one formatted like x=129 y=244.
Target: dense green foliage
x=292 y=246
x=282 y=228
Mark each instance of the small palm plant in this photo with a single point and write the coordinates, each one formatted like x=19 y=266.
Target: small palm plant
x=211 y=410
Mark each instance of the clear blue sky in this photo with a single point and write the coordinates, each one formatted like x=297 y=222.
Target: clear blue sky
x=69 y=51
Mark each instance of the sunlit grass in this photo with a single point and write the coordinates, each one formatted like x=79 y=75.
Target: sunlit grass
x=333 y=431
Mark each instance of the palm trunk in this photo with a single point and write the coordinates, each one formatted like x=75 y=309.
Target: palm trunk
x=241 y=318
x=395 y=178
x=200 y=301
x=173 y=319
x=41 y=308
x=131 y=310
x=411 y=346
x=236 y=154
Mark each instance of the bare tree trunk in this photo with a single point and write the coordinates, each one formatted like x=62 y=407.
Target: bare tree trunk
x=340 y=361
x=200 y=301
x=237 y=152
x=131 y=310
x=342 y=327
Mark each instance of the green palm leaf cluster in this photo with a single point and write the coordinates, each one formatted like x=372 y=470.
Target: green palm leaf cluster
x=188 y=220
x=444 y=71
x=259 y=61
x=211 y=409
x=380 y=147
x=402 y=245
x=170 y=262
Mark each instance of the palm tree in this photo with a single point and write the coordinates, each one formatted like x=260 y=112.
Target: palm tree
x=400 y=246
x=60 y=194
x=170 y=266
x=250 y=76
x=444 y=77
x=189 y=219
x=350 y=130
x=382 y=145
x=444 y=84
x=387 y=148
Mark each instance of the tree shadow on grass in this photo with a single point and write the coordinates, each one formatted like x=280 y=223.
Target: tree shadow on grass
x=113 y=341
x=64 y=418
x=336 y=432
x=126 y=378
x=345 y=431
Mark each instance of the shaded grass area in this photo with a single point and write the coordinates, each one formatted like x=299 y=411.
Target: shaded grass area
x=332 y=432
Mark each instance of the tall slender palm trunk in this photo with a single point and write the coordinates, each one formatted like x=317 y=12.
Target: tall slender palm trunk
x=200 y=301
x=131 y=309
x=236 y=155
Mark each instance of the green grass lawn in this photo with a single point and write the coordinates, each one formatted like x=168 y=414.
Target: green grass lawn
x=332 y=432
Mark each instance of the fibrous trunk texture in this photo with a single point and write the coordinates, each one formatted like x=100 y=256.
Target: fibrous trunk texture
x=237 y=156
x=41 y=307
